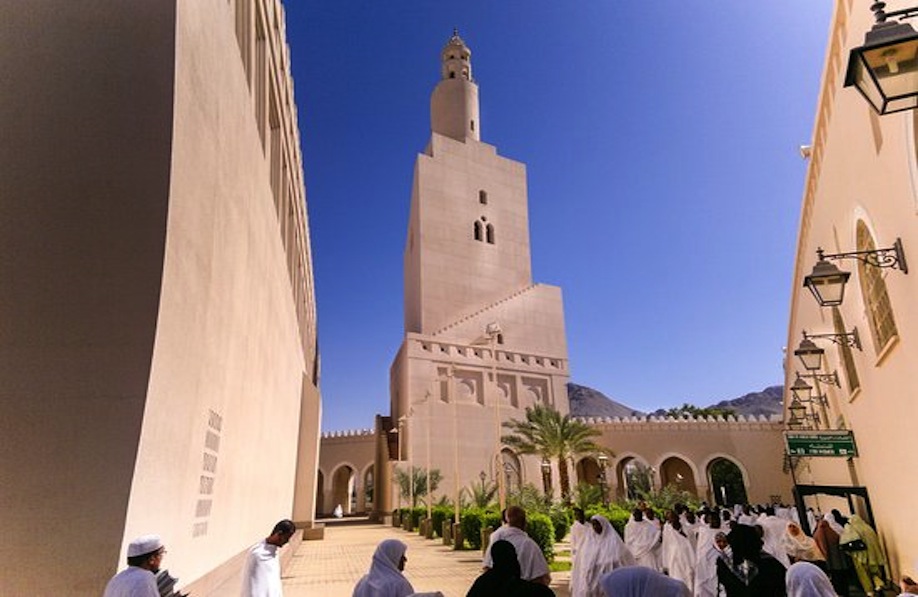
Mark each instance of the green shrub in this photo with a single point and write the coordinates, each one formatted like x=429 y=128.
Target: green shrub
x=561 y=521
x=438 y=515
x=540 y=528
x=470 y=521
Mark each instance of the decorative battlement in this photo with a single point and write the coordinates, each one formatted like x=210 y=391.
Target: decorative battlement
x=348 y=433
x=504 y=358
x=686 y=419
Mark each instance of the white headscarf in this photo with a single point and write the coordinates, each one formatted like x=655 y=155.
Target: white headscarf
x=600 y=553
x=384 y=578
x=807 y=580
x=640 y=581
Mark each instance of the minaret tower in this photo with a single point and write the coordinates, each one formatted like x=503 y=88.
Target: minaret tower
x=482 y=341
x=454 y=103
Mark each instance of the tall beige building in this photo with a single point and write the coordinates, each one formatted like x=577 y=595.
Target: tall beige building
x=482 y=341
x=860 y=194
x=158 y=357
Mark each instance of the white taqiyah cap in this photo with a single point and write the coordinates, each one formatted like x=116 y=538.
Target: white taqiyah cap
x=144 y=544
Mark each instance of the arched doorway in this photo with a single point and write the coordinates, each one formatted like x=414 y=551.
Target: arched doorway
x=320 y=494
x=588 y=471
x=727 y=484
x=635 y=478
x=678 y=473
x=344 y=489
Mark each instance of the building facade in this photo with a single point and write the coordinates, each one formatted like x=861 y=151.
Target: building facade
x=860 y=194
x=482 y=341
x=737 y=459
x=158 y=356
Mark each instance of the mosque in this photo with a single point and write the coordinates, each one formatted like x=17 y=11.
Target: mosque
x=483 y=341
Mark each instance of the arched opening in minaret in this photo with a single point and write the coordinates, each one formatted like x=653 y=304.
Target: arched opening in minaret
x=452 y=75
x=490 y=234
x=478 y=230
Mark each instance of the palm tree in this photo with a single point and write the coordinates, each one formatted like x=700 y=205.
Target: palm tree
x=413 y=485
x=548 y=433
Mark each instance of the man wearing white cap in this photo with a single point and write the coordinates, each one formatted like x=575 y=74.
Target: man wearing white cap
x=144 y=555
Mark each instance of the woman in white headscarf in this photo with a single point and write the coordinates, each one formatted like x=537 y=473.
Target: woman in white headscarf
x=601 y=552
x=640 y=581
x=807 y=580
x=799 y=546
x=385 y=578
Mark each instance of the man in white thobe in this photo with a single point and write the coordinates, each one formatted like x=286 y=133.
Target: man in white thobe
x=144 y=556
x=641 y=538
x=533 y=565
x=678 y=553
x=261 y=576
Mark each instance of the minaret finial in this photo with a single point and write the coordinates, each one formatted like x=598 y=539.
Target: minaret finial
x=455 y=31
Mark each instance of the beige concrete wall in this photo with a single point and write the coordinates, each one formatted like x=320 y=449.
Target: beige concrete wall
x=755 y=445
x=84 y=179
x=863 y=167
x=160 y=335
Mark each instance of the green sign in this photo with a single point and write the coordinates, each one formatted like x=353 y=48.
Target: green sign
x=820 y=443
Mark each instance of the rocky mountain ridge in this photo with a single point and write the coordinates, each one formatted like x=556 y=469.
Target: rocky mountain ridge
x=588 y=402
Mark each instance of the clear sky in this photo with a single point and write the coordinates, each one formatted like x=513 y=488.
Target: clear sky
x=661 y=141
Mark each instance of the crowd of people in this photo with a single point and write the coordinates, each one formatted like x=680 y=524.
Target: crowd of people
x=740 y=552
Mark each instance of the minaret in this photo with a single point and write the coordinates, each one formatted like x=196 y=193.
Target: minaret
x=454 y=103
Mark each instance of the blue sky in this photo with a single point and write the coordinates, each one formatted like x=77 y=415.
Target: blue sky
x=664 y=178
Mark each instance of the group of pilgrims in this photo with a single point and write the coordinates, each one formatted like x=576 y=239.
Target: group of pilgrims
x=741 y=552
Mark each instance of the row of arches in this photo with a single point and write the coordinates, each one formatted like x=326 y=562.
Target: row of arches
x=724 y=481
x=354 y=493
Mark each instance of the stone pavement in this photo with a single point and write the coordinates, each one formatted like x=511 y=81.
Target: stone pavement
x=331 y=567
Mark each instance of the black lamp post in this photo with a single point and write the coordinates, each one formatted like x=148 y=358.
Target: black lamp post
x=603 y=461
x=885 y=69
x=546 y=476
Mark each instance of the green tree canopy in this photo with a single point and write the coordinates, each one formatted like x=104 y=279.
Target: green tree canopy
x=548 y=433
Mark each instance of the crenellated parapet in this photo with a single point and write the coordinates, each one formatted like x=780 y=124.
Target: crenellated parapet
x=348 y=434
x=483 y=355
x=690 y=422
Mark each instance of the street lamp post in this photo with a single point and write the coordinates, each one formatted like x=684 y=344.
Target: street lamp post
x=603 y=461
x=546 y=476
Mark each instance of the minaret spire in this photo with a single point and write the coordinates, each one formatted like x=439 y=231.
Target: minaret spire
x=454 y=103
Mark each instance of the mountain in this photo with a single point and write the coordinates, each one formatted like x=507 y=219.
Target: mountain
x=587 y=402
x=769 y=401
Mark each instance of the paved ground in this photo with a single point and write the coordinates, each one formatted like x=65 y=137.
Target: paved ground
x=331 y=567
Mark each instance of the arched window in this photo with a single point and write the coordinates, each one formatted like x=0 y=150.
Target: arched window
x=847 y=357
x=483 y=197
x=479 y=235
x=873 y=291
x=490 y=233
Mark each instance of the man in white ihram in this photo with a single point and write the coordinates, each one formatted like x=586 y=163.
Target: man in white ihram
x=144 y=555
x=261 y=576
x=533 y=565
